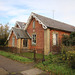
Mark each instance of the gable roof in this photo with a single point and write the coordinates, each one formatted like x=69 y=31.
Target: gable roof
x=50 y=23
x=19 y=33
x=21 y=24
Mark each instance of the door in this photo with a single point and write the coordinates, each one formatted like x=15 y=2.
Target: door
x=25 y=42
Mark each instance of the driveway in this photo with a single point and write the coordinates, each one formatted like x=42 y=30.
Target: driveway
x=11 y=67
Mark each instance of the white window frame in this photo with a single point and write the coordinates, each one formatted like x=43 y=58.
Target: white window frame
x=33 y=24
x=13 y=41
x=55 y=39
x=34 y=39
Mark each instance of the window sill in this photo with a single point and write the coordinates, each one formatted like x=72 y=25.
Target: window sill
x=33 y=44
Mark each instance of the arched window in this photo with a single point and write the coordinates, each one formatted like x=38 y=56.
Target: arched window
x=33 y=24
x=13 y=41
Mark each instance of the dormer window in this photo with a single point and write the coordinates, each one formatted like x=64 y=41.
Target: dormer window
x=33 y=23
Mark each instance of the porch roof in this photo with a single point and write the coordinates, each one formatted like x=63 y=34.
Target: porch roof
x=20 y=33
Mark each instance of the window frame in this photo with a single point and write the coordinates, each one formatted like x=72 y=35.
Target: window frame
x=33 y=24
x=33 y=39
x=55 y=39
x=13 y=41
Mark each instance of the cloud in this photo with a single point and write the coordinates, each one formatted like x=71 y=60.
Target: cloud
x=16 y=12
x=22 y=18
x=21 y=9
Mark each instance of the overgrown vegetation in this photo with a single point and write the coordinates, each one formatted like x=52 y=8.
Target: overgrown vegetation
x=69 y=40
x=71 y=59
x=15 y=57
x=57 y=65
x=68 y=56
x=4 y=31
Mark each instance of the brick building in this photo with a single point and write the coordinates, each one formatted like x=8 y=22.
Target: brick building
x=39 y=32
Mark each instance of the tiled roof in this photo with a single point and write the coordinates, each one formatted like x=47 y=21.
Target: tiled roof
x=20 y=33
x=55 y=24
x=21 y=24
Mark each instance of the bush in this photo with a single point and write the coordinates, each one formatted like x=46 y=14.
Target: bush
x=64 y=49
x=69 y=40
x=71 y=59
x=65 y=40
x=68 y=55
x=56 y=49
x=49 y=59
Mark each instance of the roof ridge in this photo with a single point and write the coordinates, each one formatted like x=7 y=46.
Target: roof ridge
x=17 y=28
x=53 y=19
x=20 y=21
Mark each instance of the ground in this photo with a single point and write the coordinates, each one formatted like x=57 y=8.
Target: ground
x=11 y=67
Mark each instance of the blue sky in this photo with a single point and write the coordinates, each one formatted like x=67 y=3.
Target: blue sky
x=19 y=10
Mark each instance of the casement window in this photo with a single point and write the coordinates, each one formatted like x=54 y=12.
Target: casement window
x=34 y=39
x=13 y=41
x=55 y=39
x=25 y=42
x=33 y=23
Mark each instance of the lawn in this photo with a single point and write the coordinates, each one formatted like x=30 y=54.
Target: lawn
x=15 y=57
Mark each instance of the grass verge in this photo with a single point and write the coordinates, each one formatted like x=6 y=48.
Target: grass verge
x=15 y=57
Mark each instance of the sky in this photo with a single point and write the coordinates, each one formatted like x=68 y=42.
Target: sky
x=19 y=10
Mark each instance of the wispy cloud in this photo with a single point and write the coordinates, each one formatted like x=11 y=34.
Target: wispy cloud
x=14 y=10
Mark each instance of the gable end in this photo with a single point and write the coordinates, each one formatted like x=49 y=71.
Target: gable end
x=33 y=16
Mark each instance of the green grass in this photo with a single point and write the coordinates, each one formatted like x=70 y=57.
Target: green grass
x=31 y=55
x=56 y=69
x=15 y=57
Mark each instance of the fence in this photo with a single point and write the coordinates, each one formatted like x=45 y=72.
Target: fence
x=9 y=49
x=35 y=54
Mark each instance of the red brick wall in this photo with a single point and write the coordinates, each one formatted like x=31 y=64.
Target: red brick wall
x=17 y=26
x=39 y=35
x=60 y=33
x=10 y=40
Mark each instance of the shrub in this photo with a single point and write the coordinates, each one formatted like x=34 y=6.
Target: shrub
x=56 y=49
x=69 y=40
x=71 y=59
x=49 y=60
x=68 y=55
x=65 y=40
x=63 y=53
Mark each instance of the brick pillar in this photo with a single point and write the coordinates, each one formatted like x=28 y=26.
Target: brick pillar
x=46 y=41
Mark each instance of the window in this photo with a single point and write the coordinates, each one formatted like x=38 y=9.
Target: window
x=25 y=42
x=13 y=41
x=55 y=39
x=34 y=39
x=33 y=23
